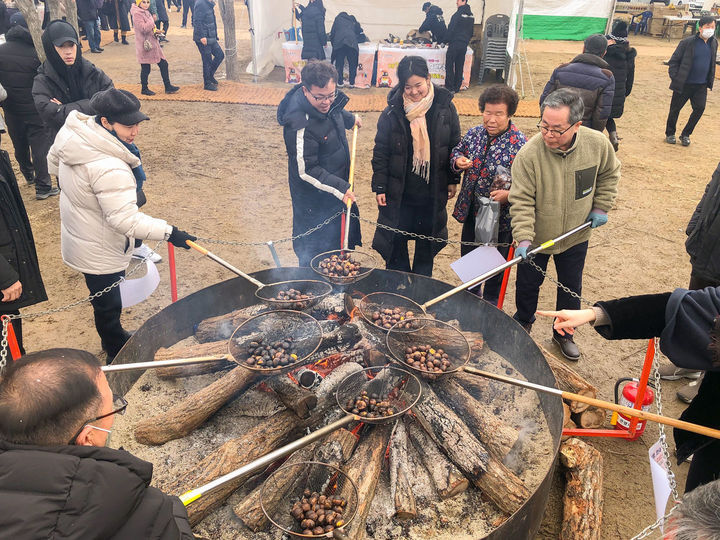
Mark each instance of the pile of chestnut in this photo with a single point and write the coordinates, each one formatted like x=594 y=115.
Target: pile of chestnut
x=387 y=318
x=370 y=405
x=339 y=266
x=318 y=514
x=427 y=358
x=298 y=299
x=271 y=355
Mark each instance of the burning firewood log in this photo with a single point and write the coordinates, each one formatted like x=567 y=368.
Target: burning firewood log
x=334 y=450
x=497 y=436
x=446 y=477
x=299 y=400
x=583 y=499
x=210 y=348
x=488 y=474
x=263 y=438
x=569 y=381
x=400 y=487
x=222 y=326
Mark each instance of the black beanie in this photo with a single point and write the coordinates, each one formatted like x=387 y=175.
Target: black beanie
x=426 y=5
x=118 y=106
x=619 y=28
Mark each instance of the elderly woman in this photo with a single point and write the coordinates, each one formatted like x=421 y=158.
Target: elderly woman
x=98 y=167
x=486 y=154
x=412 y=178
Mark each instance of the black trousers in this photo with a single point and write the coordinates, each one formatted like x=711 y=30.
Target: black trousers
x=416 y=219
x=107 y=309
x=162 y=25
x=187 y=5
x=490 y=289
x=31 y=145
x=352 y=57
x=17 y=327
x=454 y=63
x=212 y=56
x=697 y=94
x=164 y=72
x=569 y=266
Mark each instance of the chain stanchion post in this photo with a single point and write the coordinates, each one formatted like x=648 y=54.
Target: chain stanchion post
x=506 y=278
x=12 y=343
x=173 y=272
x=274 y=253
x=642 y=385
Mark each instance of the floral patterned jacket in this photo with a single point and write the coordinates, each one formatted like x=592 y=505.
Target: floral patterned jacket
x=479 y=178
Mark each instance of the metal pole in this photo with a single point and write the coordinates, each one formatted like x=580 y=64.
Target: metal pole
x=351 y=180
x=165 y=363
x=274 y=254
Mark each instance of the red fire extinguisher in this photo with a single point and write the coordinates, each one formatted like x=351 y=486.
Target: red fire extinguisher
x=627 y=399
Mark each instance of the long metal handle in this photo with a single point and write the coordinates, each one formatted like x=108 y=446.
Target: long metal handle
x=223 y=262
x=340 y=535
x=351 y=179
x=173 y=362
x=629 y=411
x=502 y=267
x=267 y=459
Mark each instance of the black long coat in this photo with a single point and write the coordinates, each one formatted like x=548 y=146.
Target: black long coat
x=314 y=37
x=391 y=157
x=680 y=62
x=18 y=66
x=703 y=242
x=345 y=32
x=621 y=59
x=18 y=259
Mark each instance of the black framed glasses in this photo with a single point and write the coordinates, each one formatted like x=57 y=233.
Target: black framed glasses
x=119 y=407
x=553 y=132
x=329 y=98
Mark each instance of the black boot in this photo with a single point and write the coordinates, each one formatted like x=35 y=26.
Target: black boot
x=115 y=36
x=165 y=73
x=125 y=41
x=144 y=80
x=147 y=92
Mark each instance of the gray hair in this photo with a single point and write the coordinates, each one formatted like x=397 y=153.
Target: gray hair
x=565 y=97
x=698 y=515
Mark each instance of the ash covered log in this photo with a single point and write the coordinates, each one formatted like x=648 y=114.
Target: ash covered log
x=400 y=487
x=222 y=326
x=497 y=436
x=569 y=381
x=583 y=499
x=299 y=400
x=211 y=348
x=258 y=441
x=446 y=477
x=591 y=418
x=495 y=480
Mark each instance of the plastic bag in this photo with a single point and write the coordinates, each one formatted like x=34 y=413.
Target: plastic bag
x=487 y=221
x=502 y=179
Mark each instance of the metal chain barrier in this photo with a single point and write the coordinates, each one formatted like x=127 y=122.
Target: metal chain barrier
x=556 y=282
x=650 y=529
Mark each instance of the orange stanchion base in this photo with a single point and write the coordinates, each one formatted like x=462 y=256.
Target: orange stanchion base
x=506 y=278
x=12 y=340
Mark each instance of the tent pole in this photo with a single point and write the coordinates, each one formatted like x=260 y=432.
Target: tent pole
x=608 y=27
x=250 y=5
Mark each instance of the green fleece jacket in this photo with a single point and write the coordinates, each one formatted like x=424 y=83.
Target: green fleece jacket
x=553 y=190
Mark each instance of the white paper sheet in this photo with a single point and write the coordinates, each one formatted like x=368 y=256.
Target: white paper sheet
x=661 y=485
x=477 y=262
x=134 y=291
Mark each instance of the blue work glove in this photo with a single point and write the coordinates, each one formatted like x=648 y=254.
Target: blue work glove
x=598 y=218
x=522 y=249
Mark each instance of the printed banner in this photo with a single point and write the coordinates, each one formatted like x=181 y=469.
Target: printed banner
x=294 y=64
x=389 y=57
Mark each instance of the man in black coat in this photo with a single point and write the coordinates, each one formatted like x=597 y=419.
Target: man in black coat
x=87 y=12
x=692 y=72
x=312 y=18
x=205 y=37
x=344 y=38
x=18 y=66
x=459 y=33
x=434 y=22
x=66 y=81
x=187 y=5
x=620 y=56
x=314 y=121
x=21 y=284
x=57 y=479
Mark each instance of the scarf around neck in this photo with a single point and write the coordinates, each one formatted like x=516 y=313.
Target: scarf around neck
x=415 y=113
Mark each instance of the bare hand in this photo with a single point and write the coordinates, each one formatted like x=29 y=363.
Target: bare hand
x=463 y=163
x=380 y=197
x=203 y=41
x=500 y=195
x=56 y=101
x=569 y=319
x=358 y=121
x=452 y=190
x=12 y=293
x=349 y=196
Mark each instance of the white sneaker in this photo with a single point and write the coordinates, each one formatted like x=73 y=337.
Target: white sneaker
x=144 y=252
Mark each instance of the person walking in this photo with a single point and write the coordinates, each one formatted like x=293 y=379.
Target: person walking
x=564 y=176
x=66 y=81
x=590 y=76
x=87 y=13
x=187 y=5
x=95 y=160
x=486 y=154
x=434 y=23
x=18 y=66
x=412 y=176
x=160 y=16
x=206 y=38
x=314 y=121
x=312 y=18
x=147 y=47
x=117 y=14
x=344 y=39
x=459 y=33
x=620 y=56
x=692 y=72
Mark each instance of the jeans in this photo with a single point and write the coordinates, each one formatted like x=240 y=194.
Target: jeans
x=454 y=64
x=93 y=34
x=569 y=266
x=352 y=57
x=697 y=94
x=490 y=288
x=419 y=220
x=212 y=56
x=30 y=139
x=107 y=309
x=187 y=5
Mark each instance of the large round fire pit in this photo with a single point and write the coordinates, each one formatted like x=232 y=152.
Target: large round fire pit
x=534 y=419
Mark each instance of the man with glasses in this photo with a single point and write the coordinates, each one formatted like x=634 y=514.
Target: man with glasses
x=314 y=121
x=57 y=478
x=565 y=175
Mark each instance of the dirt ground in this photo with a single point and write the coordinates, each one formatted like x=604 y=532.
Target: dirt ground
x=219 y=171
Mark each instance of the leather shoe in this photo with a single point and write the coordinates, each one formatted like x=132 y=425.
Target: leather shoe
x=670 y=139
x=567 y=347
x=210 y=86
x=684 y=140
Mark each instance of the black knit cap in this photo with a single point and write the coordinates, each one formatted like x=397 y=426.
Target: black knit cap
x=426 y=5
x=17 y=19
x=619 y=28
x=61 y=32
x=118 y=106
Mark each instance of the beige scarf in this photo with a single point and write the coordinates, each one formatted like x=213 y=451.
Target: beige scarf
x=415 y=113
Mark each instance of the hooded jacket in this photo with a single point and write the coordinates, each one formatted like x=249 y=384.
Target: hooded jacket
x=84 y=493
x=98 y=203
x=435 y=24
x=591 y=76
x=18 y=67
x=460 y=29
x=52 y=81
x=703 y=242
x=621 y=59
x=681 y=61
x=313 y=30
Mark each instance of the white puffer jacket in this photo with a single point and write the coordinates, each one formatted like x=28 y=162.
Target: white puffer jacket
x=99 y=217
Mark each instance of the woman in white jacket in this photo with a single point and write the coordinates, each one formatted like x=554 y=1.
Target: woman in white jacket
x=93 y=158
